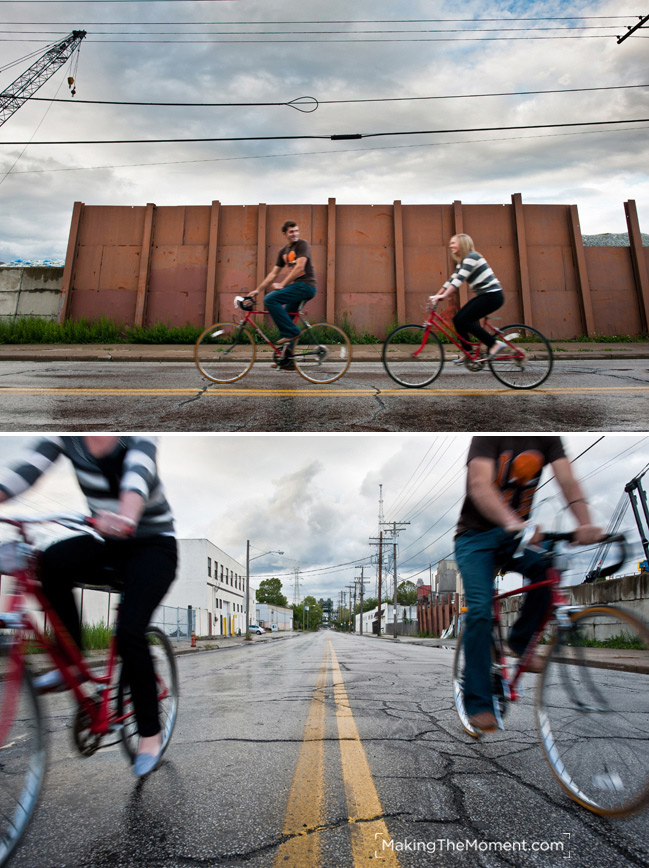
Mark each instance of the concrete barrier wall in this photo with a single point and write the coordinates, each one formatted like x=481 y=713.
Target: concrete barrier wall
x=32 y=291
x=628 y=592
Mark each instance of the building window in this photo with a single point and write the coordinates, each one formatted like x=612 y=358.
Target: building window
x=209 y=566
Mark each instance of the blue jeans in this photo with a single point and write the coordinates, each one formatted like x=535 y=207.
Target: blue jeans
x=280 y=301
x=479 y=554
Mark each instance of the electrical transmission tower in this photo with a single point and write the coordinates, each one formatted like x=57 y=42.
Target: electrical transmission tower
x=296 y=587
x=26 y=85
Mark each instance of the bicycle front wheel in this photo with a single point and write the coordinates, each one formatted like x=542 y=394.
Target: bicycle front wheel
x=166 y=675
x=224 y=352
x=592 y=710
x=322 y=353
x=526 y=360
x=408 y=360
x=22 y=751
x=497 y=686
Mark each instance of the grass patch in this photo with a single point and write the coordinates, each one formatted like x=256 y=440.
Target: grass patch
x=611 y=339
x=624 y=641
x=95 y=637
x=33 y=330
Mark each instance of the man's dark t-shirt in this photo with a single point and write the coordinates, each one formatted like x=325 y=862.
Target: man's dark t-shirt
x=519 y=462
x=289 y=254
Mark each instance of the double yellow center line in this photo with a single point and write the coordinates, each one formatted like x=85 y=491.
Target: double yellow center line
x=304 y=821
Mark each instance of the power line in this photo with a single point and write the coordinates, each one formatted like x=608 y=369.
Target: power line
x=334 y=136
x=292 y=154
x=295 y=103
x=301 y=41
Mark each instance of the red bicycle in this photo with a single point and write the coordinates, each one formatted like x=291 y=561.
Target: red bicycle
x=225 y=352
x=413 y=355
x=104 y=712
x=592 y=696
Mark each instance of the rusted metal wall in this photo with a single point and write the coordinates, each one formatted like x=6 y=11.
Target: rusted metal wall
x=375 y=265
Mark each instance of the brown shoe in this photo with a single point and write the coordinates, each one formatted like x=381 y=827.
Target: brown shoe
x=484 y=720
x=286 y=340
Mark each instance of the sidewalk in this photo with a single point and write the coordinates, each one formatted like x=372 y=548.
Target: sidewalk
x=563 y=350
x=96 y=659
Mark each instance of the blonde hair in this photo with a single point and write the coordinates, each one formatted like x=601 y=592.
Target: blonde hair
x=466 y=245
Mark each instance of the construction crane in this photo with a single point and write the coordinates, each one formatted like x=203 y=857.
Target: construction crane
x=38 y=73
x=634 y=491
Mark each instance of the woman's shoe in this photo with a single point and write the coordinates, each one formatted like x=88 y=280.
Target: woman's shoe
x=49 y=681
x=145 y=763
x=498 y=347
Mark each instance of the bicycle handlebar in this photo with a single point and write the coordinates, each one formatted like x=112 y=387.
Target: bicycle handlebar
x=245 y=302
x=568 y=536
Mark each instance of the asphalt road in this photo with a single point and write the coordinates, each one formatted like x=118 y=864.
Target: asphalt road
x=604 y=395
x=312 y=751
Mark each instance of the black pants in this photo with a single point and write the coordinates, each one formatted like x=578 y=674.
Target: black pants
x=467 y=319
x=143 y=569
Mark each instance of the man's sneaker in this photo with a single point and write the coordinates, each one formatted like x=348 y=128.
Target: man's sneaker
x=484 y=721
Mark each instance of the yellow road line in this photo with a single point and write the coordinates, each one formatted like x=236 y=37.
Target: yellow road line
x=305 y=807
x=330 y=391
x=365 y=813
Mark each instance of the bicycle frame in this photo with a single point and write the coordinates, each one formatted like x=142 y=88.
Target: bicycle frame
x=61 y=649
x=472 y=352
x=249 y=321
x=557 y=601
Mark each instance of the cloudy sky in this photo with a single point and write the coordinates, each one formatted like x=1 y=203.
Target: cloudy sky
x=316 y=498
x=374 y=68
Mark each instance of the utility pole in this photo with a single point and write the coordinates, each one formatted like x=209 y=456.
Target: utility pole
x=397 y=527
x=361 y=582
x=26 y=85
x=374 y=541
x=352 y=626
x=631 y=30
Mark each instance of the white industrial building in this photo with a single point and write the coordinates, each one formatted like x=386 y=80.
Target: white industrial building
x=405 y=614
x=271 y=617
x=213 y=584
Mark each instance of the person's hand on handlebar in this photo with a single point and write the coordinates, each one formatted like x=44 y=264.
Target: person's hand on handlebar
x=587 y=534
x=113 y=525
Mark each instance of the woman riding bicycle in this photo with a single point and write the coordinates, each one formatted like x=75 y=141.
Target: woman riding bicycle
x=474 y=268
x=119 y=478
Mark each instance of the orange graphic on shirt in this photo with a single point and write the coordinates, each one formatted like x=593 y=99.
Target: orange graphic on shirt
x=518 y=478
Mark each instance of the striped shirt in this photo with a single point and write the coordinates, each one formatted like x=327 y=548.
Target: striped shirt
x=131 y=466
x=475 y=269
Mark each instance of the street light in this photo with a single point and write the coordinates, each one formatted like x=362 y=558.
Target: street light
x=248 y=559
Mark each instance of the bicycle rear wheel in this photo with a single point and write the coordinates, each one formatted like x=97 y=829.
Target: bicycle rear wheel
x=164 y=664
x=526 y=361
x=408 y=360
x=22 y=751
x=224 y=352
x=322 y=353
x=592 y=710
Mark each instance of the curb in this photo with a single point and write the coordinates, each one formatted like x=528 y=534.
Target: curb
x=360 y=353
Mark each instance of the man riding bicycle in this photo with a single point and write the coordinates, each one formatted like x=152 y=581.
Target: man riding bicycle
x=503 y=474
x=292 y=279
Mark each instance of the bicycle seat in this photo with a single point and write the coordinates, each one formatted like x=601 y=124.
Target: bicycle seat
x=298 y=308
